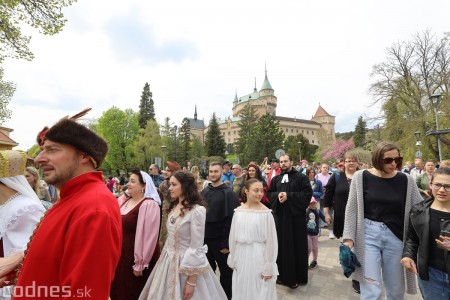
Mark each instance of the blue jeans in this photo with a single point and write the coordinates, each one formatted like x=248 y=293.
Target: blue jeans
x=437 y=287
x=383 y=252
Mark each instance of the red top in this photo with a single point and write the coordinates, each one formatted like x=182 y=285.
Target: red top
x=76 y=248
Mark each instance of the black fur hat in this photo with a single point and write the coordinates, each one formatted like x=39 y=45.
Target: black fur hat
x=68 y=131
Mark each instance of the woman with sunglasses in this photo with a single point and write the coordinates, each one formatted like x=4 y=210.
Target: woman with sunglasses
x=426 y=248
x=376 y=222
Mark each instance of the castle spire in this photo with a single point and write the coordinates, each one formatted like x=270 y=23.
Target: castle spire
x=266 y=84
x=195 y=114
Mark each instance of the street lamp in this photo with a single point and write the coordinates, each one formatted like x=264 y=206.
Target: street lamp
x=418 y=144
x=435 y=101
x=299 y=150
x=163 y=148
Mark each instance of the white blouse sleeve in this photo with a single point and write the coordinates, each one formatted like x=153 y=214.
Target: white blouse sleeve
x=194 y=261
x=271 y=251
x=19 y=231
x=231 y=261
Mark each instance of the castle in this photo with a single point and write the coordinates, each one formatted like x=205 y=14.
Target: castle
x=316 y=130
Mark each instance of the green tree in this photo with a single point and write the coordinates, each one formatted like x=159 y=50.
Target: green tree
x=359 y=138
x=185 y=140
x=230 y=149
x=169 y=135
x=44 y=15
x=306 y=150
x=412 y=71
x=7 y=89
x=214 y=140
x=246 y=124
x=146 y=146
x=268 y=138
x=197 y=148
x=146 y=106
x=119 y=128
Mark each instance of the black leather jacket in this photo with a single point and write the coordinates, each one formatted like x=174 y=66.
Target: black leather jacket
x=417 y=238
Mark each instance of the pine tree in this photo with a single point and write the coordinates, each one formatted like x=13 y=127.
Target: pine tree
x=185 y=140
x=359 y=138
x=146 y=106
x=247 y=122
x=268 y=138
x=214 y=140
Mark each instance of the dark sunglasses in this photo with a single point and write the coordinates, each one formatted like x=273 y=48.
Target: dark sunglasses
x=388 y=160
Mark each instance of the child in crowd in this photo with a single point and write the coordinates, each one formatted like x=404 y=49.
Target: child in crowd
x=313 y=230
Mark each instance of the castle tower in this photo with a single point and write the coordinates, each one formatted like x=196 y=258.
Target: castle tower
x=263 y=101
x=326 y=121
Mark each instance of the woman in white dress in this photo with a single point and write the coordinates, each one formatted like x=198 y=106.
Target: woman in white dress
x=253 y=247
x=183 y=271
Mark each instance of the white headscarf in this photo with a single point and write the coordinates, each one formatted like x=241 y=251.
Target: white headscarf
x=20 y=184
x=150 y=189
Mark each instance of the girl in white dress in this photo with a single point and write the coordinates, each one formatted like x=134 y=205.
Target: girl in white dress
x=253 y=247
x=183 y=271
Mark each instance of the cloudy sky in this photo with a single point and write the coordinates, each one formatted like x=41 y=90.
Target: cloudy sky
x=201 y=52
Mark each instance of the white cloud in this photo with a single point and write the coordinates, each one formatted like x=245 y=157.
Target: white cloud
x=201 y=52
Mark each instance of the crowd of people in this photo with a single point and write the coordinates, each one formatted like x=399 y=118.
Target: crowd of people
x=163 y=234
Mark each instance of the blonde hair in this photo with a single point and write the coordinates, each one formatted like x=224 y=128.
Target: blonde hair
x=37 y=181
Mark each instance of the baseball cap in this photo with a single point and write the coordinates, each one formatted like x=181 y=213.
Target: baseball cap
x=227 y=162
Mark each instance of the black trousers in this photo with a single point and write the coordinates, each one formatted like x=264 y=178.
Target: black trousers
x=215 y=256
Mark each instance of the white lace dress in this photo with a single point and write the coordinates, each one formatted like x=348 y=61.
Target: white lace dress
x=18 y=218
x=253 y=253
x=183 y=254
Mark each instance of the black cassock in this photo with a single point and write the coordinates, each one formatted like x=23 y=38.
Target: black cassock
x=290 y=221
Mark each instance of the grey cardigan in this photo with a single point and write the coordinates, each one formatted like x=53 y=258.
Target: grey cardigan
x=354 y=223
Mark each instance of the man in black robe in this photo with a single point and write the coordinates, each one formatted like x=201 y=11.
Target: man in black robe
x=290 y=193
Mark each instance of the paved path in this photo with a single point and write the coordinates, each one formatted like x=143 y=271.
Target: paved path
x=327 y=280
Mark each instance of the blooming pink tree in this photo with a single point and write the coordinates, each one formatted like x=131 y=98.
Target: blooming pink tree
x=337 y=150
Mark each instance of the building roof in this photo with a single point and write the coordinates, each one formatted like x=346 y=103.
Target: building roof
x=266 y=84
x=321 y=112
x=197 y=124
x=249 y=97
x=6 y=140
x=296 y=120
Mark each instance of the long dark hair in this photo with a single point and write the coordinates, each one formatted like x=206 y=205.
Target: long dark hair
x=258 y=172
x=190 y=192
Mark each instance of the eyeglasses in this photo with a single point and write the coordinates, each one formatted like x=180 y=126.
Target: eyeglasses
x=438 y=186
x=350 y=161
x=388 y=160
x=269 y=168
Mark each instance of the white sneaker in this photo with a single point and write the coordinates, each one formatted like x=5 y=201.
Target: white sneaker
x=332 y=236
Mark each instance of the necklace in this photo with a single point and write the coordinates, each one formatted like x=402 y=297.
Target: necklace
x=173 y=219
x=9 y=199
